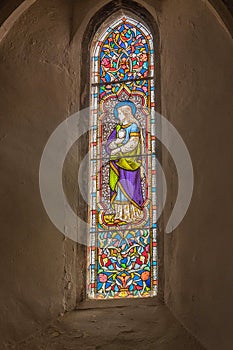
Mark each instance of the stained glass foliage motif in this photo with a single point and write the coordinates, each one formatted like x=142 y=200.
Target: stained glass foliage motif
x=122 y=252
x=124 y=53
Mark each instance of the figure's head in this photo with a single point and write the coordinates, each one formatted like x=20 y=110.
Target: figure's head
x=124 y=110
x=124 y=113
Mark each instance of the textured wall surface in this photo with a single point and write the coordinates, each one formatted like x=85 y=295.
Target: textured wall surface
x=196 y=97
x=39 y=75
x=37 y=263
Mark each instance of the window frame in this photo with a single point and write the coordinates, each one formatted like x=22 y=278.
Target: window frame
x=139 y=12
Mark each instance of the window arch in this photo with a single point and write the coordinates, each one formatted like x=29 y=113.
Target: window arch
x=122 y=258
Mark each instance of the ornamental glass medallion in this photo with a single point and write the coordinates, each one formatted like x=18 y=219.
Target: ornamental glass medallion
x=122 y=252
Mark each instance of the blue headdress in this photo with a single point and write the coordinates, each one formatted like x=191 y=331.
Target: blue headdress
x=122 y=104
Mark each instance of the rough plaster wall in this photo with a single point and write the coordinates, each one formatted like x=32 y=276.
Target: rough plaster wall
x=196 y=97
x=37 y=264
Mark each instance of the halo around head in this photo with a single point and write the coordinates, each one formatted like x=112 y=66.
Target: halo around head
x=122 y=104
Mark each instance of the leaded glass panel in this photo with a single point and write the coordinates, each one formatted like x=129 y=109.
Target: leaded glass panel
x=122 y=249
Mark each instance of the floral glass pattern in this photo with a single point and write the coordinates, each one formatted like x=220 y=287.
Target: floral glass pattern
x=122 y=252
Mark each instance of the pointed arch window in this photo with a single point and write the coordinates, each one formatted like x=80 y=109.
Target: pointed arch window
x=122 y=258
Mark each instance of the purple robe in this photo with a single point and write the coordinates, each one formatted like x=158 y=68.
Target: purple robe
x=129 y=181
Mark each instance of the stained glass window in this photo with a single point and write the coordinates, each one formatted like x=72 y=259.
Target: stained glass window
x=122 y=252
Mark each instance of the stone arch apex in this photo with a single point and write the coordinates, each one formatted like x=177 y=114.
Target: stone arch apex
x=218 y=7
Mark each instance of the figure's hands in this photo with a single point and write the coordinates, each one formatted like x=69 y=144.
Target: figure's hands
x=115 y=151
x=114 y=144
x=117 y=141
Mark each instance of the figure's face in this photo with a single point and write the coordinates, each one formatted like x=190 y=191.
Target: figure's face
x=124 y=114
x=121 y=114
